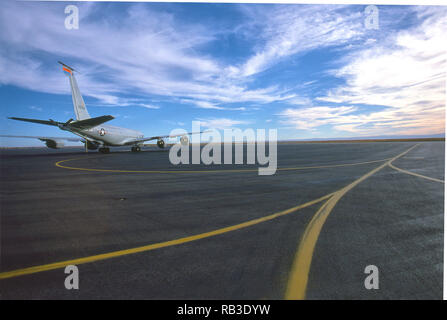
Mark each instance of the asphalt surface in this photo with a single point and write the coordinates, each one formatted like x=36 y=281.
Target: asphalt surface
x=392 y=219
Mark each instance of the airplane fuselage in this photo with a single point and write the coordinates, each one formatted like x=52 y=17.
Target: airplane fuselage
x=92 y=131
x=107 y=135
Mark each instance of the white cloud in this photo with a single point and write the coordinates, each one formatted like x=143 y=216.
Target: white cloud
x=220 y=123
x=136 y=51
x=111 y=100
x=148 y=106
x=143 y=53
x=210 y=105
x=35 y=108
x=207 y=105
x=406 y=74
x=288 y=30
x=313 y=117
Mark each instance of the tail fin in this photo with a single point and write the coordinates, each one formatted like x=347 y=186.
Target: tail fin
x=78 y=103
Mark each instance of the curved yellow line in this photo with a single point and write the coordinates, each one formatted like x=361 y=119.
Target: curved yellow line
x=415 y=174
x=58 y=164
x=299 y=274
x=315 y=221
x=114 y=254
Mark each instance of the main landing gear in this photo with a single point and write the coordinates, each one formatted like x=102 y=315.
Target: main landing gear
x=104 y=150
x=136 y=149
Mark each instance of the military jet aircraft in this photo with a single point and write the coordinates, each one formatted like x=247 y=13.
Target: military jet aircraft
x=92 y=131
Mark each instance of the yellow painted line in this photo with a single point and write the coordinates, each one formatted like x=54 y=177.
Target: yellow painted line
x=299 y=274
x=114 y=254
x=58 y=164
x=415 y=174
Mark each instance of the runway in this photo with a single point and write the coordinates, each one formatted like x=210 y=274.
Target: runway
x=139 y=227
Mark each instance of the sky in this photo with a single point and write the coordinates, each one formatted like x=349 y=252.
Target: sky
x=309 y=71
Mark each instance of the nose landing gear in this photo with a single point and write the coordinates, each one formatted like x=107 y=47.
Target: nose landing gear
x=136 y=149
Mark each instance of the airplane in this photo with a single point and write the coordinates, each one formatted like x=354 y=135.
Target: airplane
x=91 y=131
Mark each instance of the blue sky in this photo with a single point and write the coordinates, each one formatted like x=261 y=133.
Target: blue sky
x=310 y=71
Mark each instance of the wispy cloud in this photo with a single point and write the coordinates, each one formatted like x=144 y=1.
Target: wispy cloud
x=141 y=55
x=207 y=105
x=113 y=101
x=221 y=123
x=148 y=106
x=313 y=117
x=287 y=31
x=210 y=105
x=138 y=50
x=405 y=74
x=35 y=108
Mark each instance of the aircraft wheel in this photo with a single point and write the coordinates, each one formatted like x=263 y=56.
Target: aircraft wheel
x=104 y=150
x=136 y=149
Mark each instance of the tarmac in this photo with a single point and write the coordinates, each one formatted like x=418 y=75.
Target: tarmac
x=138 y=227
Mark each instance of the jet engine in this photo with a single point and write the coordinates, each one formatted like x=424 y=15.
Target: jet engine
x=54 y=143
x=161 y=143
x=91 y=145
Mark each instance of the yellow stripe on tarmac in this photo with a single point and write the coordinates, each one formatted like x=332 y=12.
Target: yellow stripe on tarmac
x=104 y=256
x=415 y=174
x=58 y=164
x=299 y=274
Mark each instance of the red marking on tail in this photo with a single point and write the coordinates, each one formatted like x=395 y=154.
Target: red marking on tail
x=65 y=69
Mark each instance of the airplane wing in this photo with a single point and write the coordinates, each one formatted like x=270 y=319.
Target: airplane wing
x=50 y=142
x=136 y=141
x=81 y=124
x=45 y=138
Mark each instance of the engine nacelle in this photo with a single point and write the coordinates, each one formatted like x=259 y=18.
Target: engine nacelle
x=184 y=140
x=54 y=144
x=91 y=145
x=161 y=143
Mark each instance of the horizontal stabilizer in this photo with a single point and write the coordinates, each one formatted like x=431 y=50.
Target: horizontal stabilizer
x=48 y=122
x=67 y=68
x=90 y=123
x=81 y=124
